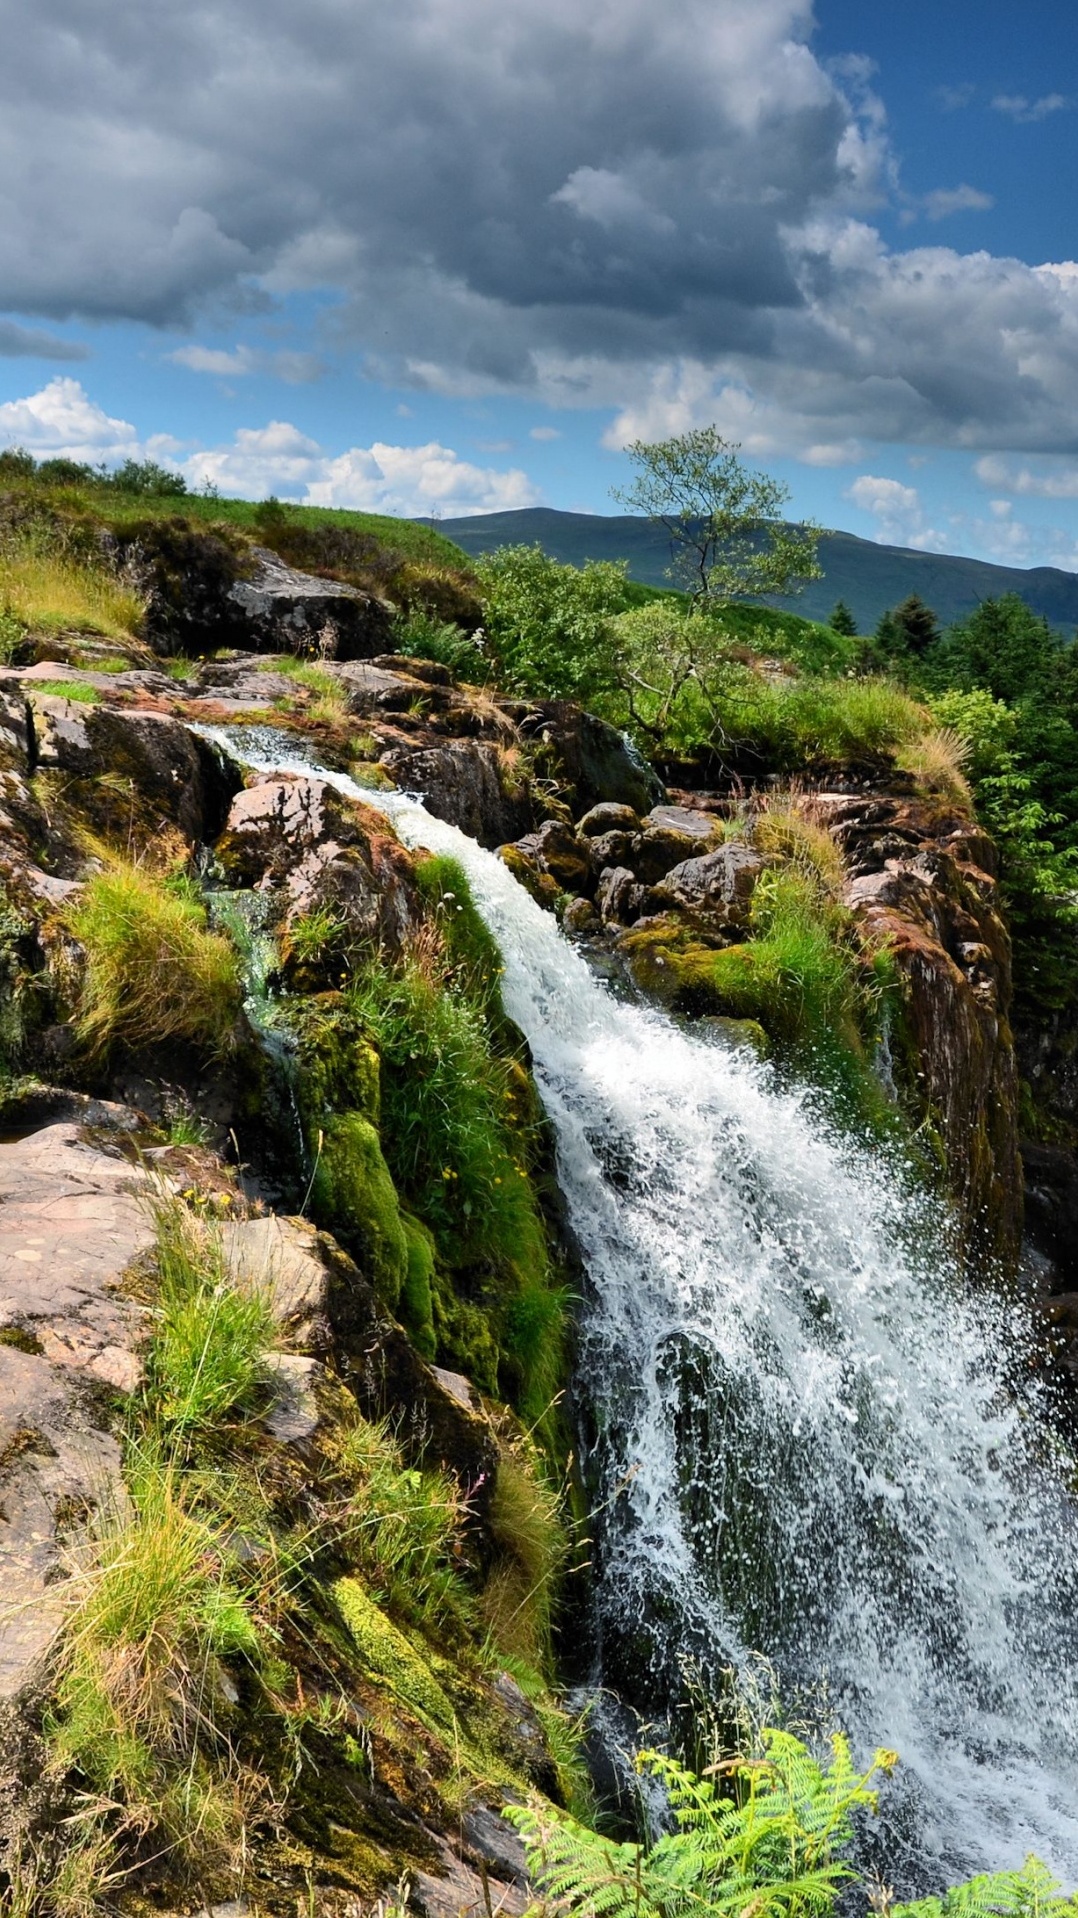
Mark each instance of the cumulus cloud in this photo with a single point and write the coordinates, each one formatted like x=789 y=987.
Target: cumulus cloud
x=1056 y=481
x=63 y=421
x=406 y=480
x=590 y=207
x=1018 y=107
x=898 y=512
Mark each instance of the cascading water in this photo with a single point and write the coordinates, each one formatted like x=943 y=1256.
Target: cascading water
x=800 y=1433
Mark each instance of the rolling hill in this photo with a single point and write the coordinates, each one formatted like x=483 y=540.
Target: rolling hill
x=870 y=578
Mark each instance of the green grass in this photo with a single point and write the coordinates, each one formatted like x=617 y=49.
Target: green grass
x=44 y=589
x=208 y=1353
x=402 y=1528
x=517 y=1601
x=153 y=969
x=75 y=689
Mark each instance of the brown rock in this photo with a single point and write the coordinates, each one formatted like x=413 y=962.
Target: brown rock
x=606 y=818
x=463 y=783
x=720 y=884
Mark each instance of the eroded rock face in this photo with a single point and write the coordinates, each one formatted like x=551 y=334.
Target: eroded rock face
x=465 y=784
x=280 y=610
x=923 y=880
x=174 y=775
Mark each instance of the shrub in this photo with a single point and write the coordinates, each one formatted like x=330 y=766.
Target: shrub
x=154 y=971
x=425 y=635
x=549 y=625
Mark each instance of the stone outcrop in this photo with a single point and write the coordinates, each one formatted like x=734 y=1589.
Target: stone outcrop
x=279 y=610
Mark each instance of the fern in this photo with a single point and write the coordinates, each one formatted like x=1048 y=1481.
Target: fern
x=1029 y=1893
x=768 y=1840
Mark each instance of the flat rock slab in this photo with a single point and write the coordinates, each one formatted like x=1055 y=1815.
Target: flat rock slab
x=72 y=1219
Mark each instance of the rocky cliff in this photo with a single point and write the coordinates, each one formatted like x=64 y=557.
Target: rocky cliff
x=312 y=1124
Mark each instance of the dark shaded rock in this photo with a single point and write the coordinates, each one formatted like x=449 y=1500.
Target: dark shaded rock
x=608 y=818
x=580 y=916
x=720 y=883
x=463 y=783
x=280 y=610
x=614 y=849
x=597 y=761
x=173 y=776
x=556 y=850
x=1051 y=1201
x=303 y=837
x=660 y=849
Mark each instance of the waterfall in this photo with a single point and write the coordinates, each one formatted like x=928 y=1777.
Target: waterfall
x=803 y=1435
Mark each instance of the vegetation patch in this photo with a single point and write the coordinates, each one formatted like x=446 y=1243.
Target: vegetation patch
x=153 y=968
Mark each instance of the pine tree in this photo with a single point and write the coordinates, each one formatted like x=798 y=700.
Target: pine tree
x=842 y=620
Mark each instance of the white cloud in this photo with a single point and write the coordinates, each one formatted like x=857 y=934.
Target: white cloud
x=943 y=201
x=1018 y=107
x=63 y=422
x=209 y=359
x=898 y=513
x=1057 y=481
x=404 y=480
x=545 y=433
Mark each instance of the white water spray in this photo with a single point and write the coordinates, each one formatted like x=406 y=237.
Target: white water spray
x=794 y=1420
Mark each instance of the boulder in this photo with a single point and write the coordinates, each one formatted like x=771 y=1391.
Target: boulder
x=719 y=884
x=596 y=760
x=685 y=820
x=619 y=896
x=607 y=818
x=463 y=784
x=172 y=775
x=300 y=836
x=614 y=849
x=280 y=610
x=556 y=850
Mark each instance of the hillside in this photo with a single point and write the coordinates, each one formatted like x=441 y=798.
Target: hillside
x=870 y=578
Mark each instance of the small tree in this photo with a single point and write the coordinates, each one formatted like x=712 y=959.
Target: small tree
x=727 y=537
x=911 y=628
x=842 y=620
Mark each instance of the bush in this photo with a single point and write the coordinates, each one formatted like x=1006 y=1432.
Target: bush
x=549 y=625
x=154 y=971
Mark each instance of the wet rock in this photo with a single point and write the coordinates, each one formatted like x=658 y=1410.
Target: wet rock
x=719 y=884
x=608 y=818
x=619 y=896
x=580 y=916
x=301 y=836
x=1051 y=1204
x=463 y=783
x=543 y=888
x=280 y=610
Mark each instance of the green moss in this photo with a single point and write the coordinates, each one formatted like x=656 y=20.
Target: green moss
x=417 y=1291
x=354 y=1194
x=471 y=948
x=337 y=1066
x=388 y=1655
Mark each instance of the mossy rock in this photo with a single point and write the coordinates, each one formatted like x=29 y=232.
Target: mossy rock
x=386 y=1654
x=417 y=1289
x=338 y=1068
x=542 y=886
x=354 y=1193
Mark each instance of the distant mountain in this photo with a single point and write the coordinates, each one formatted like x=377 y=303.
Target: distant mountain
x=868 y=577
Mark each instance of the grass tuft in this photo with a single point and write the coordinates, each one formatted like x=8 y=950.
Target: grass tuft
x=45 y=590
x=154 y=970
x=207 y=1358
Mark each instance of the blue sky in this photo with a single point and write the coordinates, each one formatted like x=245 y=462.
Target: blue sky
x=451 y=257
